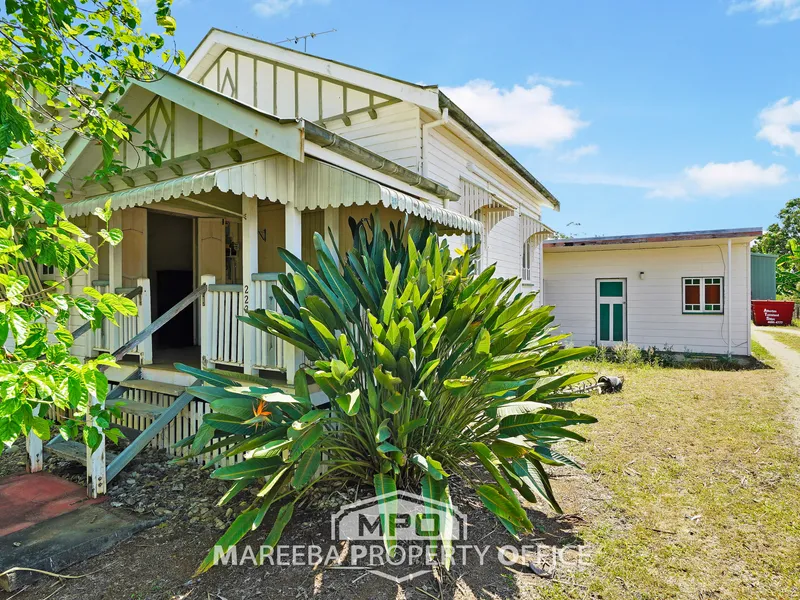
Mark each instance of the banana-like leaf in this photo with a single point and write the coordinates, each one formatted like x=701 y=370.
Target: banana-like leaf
x=386 y=489
x=350 y=402
x=305 y=441
x=498 y=503
x=241 y=526
x=234 y=490
x=438 y=491
x=393 y=404
x=533 y=474
x=305 y=469
x=248 y=469
x=281 y=521
x=228 y=423
x=431 y=467
x=272 y=448
x=491 y=463
x=205 y=376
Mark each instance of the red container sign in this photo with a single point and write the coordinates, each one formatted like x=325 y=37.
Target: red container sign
x=772 y=312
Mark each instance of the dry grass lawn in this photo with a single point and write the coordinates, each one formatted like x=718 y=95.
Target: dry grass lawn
x=704 y=488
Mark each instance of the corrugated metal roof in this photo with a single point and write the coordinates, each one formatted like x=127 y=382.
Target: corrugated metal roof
x=645 y=238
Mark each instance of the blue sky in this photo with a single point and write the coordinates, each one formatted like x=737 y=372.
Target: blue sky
x=639 y=116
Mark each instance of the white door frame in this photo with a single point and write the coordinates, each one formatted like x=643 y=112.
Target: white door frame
x=611 y=300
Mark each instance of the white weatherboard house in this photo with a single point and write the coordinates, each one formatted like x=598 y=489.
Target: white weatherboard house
x=263 y=146
x=684 y=292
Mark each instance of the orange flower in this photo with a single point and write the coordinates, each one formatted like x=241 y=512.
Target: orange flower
x=261 y=409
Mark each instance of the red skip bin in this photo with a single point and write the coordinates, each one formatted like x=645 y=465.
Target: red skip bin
x=772 y=312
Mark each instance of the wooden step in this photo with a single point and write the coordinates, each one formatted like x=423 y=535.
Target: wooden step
x=72 y=450
x=140 y=409
x=157 y=387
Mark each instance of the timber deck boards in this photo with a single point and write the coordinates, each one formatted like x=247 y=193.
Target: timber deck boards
x=72 y=450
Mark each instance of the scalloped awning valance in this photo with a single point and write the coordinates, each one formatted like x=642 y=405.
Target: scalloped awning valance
x=317 y=185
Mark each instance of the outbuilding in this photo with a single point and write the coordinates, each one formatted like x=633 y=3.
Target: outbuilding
x=681 y=292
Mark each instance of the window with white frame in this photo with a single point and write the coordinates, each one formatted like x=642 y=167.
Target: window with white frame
x=703 y=295
x=528 y=260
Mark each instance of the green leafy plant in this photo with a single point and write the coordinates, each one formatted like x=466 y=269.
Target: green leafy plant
x=787 y=271
x=63 y=66
x=431 y=370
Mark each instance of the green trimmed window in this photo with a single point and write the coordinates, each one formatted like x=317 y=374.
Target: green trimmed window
x=702 y=295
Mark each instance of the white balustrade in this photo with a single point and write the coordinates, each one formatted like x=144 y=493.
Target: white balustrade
x=225 y=342
x=222 y=336
x=110 y=337
x=269 y=349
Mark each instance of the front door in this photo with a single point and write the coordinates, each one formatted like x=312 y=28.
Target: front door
x=611 y=311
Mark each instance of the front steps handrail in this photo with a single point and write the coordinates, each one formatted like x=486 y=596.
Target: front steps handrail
x=155 y=325
x=99 y=472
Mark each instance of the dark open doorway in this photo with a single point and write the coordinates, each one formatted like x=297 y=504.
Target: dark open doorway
x=170 y=260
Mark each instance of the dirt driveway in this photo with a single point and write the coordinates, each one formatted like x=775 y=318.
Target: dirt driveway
x=789 y=360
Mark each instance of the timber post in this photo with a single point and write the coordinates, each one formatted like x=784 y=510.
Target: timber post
x=145 y=317
x=249 y=267
x=206 y=322
x=95 y=460
x=294 y=244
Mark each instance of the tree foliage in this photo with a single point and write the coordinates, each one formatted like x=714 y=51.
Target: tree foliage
x=775 y=239
x=430 y=369
x=63 y=65
x=787 y=272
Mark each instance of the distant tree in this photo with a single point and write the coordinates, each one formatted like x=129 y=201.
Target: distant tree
x=776 y=239
x=63 y=65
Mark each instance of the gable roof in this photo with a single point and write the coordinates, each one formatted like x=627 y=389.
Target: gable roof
x=429 y=97
x=287 y=136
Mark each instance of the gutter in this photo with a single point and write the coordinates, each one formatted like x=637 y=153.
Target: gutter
x=336 y=143
x=476 y=130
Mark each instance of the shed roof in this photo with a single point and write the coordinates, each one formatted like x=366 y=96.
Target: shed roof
x=678 y=237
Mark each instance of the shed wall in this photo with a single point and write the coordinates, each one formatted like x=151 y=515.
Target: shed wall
x=764 y=285
x=654 y=307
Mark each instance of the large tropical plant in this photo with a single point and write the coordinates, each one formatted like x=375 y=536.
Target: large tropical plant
x=431 y=370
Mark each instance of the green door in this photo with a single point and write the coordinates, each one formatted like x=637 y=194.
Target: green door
x=611 y=312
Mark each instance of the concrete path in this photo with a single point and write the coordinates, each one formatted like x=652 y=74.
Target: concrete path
x=790 y=363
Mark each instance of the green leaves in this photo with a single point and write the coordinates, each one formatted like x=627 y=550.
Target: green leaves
x=248 y=469
x=385 y=490
x=240 y=527
x=424 y=362
x=350 y=402
x=430 y=466
x=305 y=469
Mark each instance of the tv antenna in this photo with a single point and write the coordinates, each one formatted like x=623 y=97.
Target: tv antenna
x=305 y=37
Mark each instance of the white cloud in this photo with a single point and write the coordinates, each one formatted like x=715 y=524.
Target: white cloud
x=769 y=11
x=272 y=8
x=727 y=179
x=780 y=124
x=712 y=179
x=551 y=81
x=579 y=152
x=520 y=116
